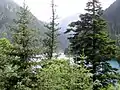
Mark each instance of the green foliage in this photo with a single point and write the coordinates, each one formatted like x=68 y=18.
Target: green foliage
x=112 y=87
x=25 y=49
x=5 y=49
x=90 y=35
x=61 y=75
x=6 y=69
x=118 y=48
x=90 y=46
x=24 y=40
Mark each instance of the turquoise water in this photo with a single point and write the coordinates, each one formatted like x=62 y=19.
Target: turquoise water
x=114 y=64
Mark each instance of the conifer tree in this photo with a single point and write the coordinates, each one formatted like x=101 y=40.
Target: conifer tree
x=24 y=47
x=24 y=37
x=90 y=35
x=50 y=42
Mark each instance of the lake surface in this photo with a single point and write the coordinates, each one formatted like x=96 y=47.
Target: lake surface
x=114 y=64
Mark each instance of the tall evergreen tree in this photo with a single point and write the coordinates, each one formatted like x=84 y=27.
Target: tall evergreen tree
x=24 y=47
x=90 y=35
x=50 y=42
x=24 y=38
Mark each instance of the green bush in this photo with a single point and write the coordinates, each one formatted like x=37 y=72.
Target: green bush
x=61 y=75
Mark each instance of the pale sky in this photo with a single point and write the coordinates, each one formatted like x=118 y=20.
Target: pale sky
x=41 y=8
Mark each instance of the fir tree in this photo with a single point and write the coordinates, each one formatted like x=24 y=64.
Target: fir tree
x=24 y=37
x=25 y=48
x=50 y=42
x=90 y=35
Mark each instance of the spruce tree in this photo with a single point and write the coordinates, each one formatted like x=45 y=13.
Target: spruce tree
x=24 y=48
x=24 y=37
x=50 y=40
x=90 y=34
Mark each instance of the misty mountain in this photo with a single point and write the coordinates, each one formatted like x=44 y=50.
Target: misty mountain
x=8 y=10
x=64 y=42
x=112 y=16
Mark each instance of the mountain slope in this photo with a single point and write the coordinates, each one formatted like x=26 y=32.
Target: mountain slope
x=112 y=16
x=64 y=24
x=8 y=10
